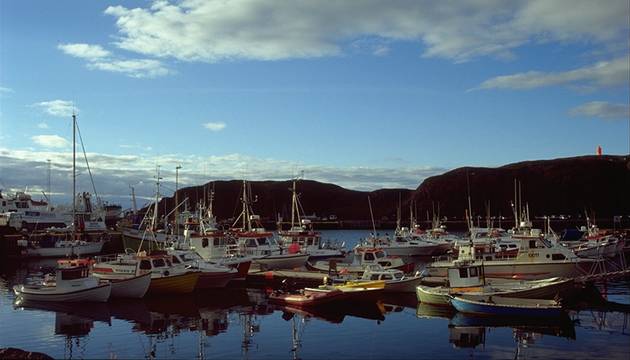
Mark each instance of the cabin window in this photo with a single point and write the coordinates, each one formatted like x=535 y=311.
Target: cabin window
x=176 y=260
x=251 y=243
x=4 y=203
x=488 y=258
x=374 y=277
x=473 y=271
x=532 y=244
x=380 y=254
x=463 y=273
x=557 y=257
x=309 y=241
x=385 y=263
x=145 y=265
x=369 y=256
x=216 y=241
x=262 y=241
x=168 y=262
x=158 y=263
x=204 y=242
x=73 y=274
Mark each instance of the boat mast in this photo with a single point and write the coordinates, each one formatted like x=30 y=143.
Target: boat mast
x=293 y=206
x=74 y=175
x=177 y=201
x=372 y=216
x=49 y=194
x=157 y=198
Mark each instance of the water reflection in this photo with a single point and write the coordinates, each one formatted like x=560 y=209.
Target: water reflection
x=240 y=322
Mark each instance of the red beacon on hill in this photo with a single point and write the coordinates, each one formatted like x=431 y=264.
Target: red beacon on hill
x=599 y=150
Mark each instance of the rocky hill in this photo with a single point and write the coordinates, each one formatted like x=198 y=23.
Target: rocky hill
x=566 y=186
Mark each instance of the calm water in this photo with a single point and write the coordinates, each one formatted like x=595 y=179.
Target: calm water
x=239 y=323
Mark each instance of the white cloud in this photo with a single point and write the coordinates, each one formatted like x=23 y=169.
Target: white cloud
x=139 y=68
x=5 y=90
x=114 y=173
x=50 y=141
x=135 y=146
x=214 y=126
x=602 y=110
x=84 y=51
x=101 y=59
x=211 y=31
x=42 y=125
x=601 y=74
x=60 y=108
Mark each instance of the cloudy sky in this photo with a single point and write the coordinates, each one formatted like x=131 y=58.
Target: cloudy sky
x=364 y=94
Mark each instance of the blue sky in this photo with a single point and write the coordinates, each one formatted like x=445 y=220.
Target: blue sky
x=364 y=94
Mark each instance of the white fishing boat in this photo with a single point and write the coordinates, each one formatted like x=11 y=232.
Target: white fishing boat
x=596 y=243
x=362 y=257
x=70 y=284
x=86 y=233
x=124 y=274
x=33 y=214
x=468 y=277
x=253 y=241
x=301 y=235
x=212 y=275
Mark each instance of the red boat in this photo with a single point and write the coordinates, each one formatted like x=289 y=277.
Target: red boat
x=309 y=297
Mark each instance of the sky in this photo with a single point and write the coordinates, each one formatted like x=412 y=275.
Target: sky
x=364 y=94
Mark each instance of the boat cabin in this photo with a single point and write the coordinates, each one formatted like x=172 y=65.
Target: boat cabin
x=465 y=275
x=376 y=272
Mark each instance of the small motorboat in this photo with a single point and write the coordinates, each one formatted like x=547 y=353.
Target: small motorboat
x=506 y=306
x=309 y=297
x=69 y=284
x=212 y=275
x=395 y=280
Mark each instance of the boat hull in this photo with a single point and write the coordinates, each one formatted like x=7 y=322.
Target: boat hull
x=282 y=261
x=405 y=285
x=133 y=288
x=85 y=249
x=429 y=250
x=176 y=284
x=212 y=280
x=99 y=293
x=502 y=307
x=432 y=295
x=513 y=270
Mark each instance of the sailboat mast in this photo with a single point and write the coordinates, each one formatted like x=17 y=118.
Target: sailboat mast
x=74 y=175
x=157 y=199
x=372 y=216
x=293 y=206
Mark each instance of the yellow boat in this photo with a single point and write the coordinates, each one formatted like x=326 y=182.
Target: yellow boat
x=377 y=284
x=175 y=284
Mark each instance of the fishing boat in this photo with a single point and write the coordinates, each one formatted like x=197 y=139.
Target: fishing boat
x=123 y=272
x=33 y=214
x=506 y=306
x=252 y=240
x=362 y=257
x=302 y=236
x=466 y=277
x=87 y=232
x=203 y=237
x=211 y=276
x=394 y=280
x=69 y=284
x=537 y=258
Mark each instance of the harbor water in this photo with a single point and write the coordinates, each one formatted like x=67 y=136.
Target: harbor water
x=239 y=323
